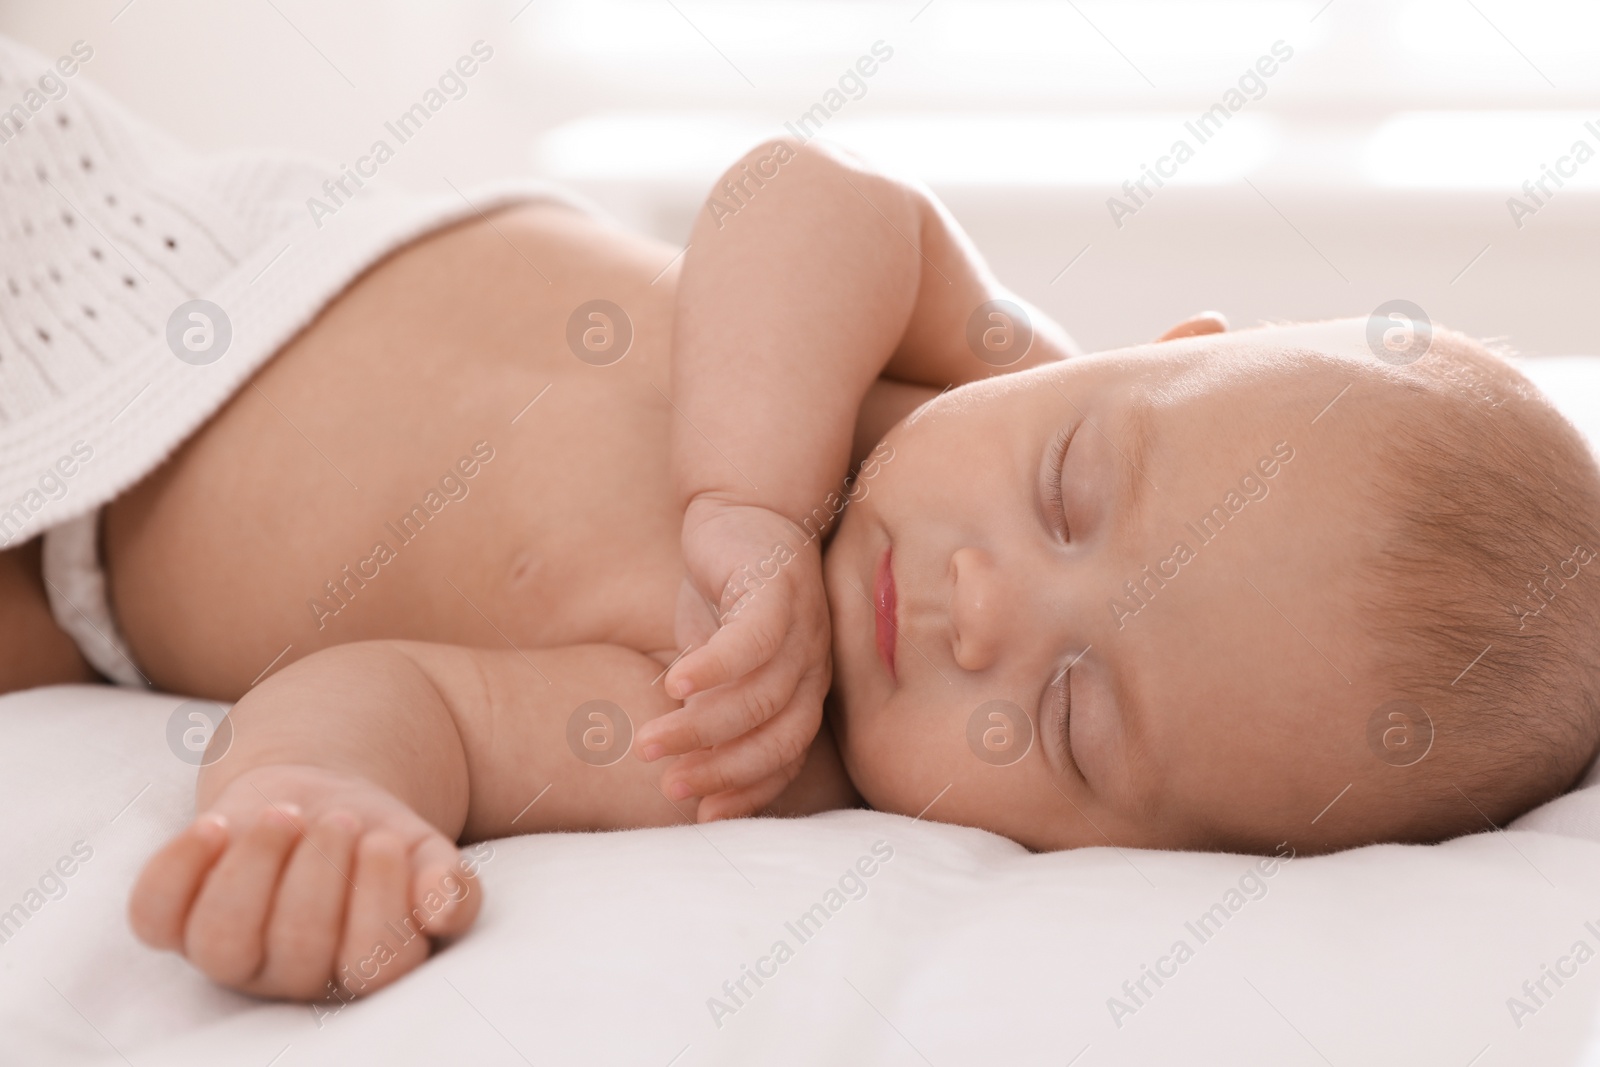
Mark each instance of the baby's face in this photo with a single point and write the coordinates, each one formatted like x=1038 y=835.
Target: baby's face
x=1163 y=653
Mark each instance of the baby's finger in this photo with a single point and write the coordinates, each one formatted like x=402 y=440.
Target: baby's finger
x=381 y=940
x=723 y=713
x=308 y=916
x=747 y=639
x=224 y=934
x=443 y=893
x=778 y=744
x=737 y=803
x=159 y=905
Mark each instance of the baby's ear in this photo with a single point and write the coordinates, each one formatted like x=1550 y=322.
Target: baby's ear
x=1197 y=326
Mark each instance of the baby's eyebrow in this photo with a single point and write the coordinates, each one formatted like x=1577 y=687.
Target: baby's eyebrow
x=1138 y=439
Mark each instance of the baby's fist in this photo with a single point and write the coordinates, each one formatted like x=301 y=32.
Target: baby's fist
x=301 y=883
x=758 y=664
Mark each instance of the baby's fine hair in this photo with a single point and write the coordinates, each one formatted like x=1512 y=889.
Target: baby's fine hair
x=1483 y=589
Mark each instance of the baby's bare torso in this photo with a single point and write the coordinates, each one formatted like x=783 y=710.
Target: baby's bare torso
x=222 y=560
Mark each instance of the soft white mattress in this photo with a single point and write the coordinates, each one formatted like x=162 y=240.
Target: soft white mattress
x=961 y=948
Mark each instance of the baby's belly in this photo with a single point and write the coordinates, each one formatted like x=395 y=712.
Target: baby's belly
x=428 y=460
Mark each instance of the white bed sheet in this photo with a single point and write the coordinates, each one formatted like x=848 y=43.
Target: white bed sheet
x=964 y=948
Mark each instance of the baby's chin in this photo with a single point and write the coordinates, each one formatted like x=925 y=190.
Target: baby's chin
x=866 y=774
x=842 y=694
x=875 y=763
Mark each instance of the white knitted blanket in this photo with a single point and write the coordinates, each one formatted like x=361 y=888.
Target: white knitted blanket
x=142 y=284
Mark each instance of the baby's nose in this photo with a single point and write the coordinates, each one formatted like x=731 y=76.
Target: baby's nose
x=978 y=609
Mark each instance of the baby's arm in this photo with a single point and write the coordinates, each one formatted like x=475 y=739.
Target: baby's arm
x=808 y=276
x=325 y=850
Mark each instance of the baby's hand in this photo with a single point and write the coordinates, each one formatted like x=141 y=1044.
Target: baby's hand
x=299 y=877
x=752 y=686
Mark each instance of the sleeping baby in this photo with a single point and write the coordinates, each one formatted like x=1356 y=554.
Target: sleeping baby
x=541 y=525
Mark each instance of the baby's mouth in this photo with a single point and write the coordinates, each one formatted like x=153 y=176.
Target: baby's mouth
x=887 y=628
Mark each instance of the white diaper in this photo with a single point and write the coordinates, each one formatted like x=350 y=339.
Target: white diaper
x=76 y=584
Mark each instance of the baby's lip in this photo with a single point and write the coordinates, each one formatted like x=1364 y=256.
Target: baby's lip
x=886 y=624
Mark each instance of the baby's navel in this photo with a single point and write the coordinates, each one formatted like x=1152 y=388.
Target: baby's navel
x=526 y=569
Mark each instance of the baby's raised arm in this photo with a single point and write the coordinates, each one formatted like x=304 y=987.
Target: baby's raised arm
x=808 y=275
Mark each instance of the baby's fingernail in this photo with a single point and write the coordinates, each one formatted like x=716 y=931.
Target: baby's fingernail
x=212 y=824
x=679 y=790
x=653 y=752
x=281 y=814
x=681 y=688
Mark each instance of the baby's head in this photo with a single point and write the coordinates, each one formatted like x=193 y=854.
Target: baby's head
x=1286 y=591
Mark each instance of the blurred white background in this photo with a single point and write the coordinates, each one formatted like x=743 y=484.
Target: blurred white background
x=1377 y=162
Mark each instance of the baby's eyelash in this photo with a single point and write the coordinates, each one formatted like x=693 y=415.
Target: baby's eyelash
x=1061 y=713
x=1058 y=456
